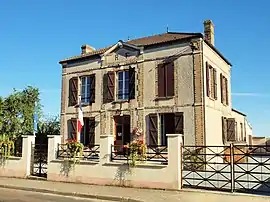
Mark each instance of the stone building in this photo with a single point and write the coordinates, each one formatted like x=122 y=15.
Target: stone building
x=166 y=83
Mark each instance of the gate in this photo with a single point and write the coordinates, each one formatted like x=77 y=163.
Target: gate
x=39 y=160
x=234 y=168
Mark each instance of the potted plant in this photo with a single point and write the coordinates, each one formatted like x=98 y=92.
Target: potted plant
x=136 y=149
x=74 y=149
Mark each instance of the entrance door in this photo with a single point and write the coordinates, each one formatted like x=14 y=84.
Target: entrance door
x=122 y=130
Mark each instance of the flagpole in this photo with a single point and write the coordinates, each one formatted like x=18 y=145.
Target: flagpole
x=35 y=119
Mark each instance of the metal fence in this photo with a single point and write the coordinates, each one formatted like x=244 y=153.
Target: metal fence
x=235 y=168
x=90 y=152
x=154 y=153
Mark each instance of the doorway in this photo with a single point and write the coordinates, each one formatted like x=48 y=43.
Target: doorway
x=122 y=130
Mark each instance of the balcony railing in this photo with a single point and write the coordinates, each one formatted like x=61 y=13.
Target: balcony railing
x=90 y=152
x=154 y=153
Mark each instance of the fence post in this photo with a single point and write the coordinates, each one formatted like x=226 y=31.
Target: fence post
x=27 y=152
x=53 y=141
x=175 y=142
x=232 y=166
x=105 y=148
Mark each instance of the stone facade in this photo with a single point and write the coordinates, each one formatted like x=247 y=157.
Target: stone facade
x=190 y=97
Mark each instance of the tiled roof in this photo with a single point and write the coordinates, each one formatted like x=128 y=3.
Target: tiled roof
x=144 y=41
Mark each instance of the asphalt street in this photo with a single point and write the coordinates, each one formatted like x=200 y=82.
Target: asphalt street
x=11 y=195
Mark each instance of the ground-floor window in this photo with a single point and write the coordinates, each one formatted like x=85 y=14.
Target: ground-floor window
x=87 y=135
x=169 y=123
x=88 y=132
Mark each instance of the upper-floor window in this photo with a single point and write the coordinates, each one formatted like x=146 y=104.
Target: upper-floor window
x=123 y=85
x=211 y=81
x=125 y=88
x=166 y=79
x=87 y=90
x=224 y=90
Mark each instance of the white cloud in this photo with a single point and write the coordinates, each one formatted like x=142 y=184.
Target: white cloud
x=248 y=94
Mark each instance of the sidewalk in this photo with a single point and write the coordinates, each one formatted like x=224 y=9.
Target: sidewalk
x=125 y=194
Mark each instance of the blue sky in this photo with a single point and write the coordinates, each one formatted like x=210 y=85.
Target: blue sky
x=35 y=35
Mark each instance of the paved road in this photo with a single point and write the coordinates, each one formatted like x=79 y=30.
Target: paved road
x=10 y=195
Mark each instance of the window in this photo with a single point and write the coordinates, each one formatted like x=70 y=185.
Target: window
x=242 y=132
x=87 y=136
x=85 y=89
x=224 y=90
x=166 y=80
x=166 y=127
x=88 y=89
x=211 y=81
x=123 y=85
x=229 y=129
x=170 y=123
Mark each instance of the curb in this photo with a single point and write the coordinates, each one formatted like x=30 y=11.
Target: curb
x=74 y=194
x=250 y=195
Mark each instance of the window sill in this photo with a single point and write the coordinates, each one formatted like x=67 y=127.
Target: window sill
x=120 y=101
x=164 y=98
x=83 y=105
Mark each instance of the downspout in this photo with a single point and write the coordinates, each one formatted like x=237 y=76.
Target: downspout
x=194 y=103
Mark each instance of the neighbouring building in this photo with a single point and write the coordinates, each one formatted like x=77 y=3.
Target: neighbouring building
x=166 y=83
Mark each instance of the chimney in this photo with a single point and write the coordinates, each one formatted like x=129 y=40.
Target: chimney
x=209 y=34
x=86 y=49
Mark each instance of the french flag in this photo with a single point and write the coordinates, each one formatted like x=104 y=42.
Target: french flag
x=80 y=118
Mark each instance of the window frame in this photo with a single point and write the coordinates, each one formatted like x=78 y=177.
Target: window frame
x=125 y=85
x=86 y=96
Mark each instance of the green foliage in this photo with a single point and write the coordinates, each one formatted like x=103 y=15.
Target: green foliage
x=6 y=146
x=75 y=149
x=49 y=126
x=16 y=112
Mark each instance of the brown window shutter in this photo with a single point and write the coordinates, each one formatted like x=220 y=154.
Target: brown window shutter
x=170 y=79
x=92 y=126
x=226 y=91
x=92 y=88
x=207 y=80
x=73 y=91
x=161 y=80
x=231 y=129
x=131 y=83
x=215 y=83
x=224 y=129
x=236 y=131
x=221 y=88
x=153 y=130
x=108 y=87
x=179 y=123
x=72 y=128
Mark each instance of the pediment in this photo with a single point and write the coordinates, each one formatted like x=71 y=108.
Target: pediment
x=121 y=51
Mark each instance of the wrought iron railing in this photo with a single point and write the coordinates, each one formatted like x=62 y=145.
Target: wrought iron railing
x=207 y=167
x=237 y=168
x=251 y=168
x=154 y=153
x=90 y=152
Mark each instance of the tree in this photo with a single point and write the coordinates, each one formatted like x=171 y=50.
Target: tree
x=49 y=126
x=17 y=112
